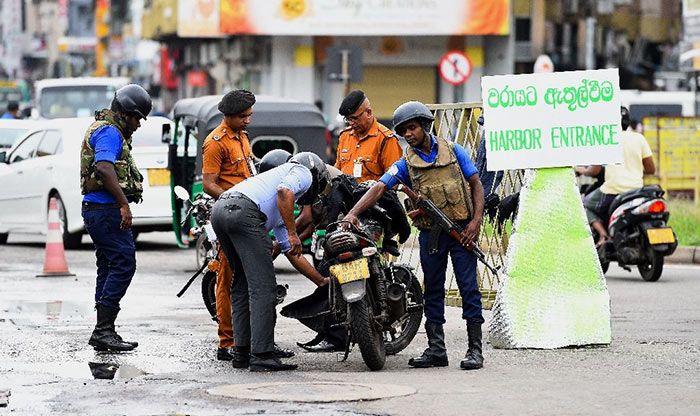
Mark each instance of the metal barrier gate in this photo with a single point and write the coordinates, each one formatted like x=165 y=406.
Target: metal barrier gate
x=458 y=122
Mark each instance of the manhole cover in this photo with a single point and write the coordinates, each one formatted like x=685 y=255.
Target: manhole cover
x=315 y=392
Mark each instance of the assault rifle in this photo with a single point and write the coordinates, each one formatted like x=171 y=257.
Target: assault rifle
x=441 y=223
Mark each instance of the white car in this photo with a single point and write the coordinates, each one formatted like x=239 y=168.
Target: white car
x=12 y=130
x=45 y=163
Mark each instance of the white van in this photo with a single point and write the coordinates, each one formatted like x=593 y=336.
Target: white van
x=658 y=103
x=74 y=97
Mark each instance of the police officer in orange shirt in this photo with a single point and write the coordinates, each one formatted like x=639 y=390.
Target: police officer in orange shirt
x=227 y=160
x=366 y=148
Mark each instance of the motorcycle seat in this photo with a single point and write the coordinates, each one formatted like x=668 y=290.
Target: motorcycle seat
x=648 y=191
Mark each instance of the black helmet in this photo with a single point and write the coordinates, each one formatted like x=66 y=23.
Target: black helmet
x=132 y=98
x=409 y=111
x=625 y=114
x=319 y=173
x=274 y=158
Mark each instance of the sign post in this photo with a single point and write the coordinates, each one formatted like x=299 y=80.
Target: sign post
x=553 y=293
x=344 y=65
x=455 y=67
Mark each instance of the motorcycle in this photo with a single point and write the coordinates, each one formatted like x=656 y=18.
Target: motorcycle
x=379 y=303
x=203 y=233
x=639 y=232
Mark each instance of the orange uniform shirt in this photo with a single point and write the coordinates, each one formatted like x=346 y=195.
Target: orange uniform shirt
x=228 y=155
x=367 y=157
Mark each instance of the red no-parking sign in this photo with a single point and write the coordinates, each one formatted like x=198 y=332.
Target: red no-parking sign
x=455 y=67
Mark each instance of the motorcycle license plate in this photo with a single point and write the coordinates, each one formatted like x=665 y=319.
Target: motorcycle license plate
x=660 y=235
x=351 y=271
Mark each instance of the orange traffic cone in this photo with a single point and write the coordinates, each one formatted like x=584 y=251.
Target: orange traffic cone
x=55 y=260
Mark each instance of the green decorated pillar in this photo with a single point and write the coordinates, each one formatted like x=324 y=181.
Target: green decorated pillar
x=553 y=292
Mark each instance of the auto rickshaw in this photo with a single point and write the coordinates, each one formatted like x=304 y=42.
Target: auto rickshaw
x=276 y=123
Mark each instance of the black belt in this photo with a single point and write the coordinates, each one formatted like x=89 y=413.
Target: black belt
x=88 y=206
x=235 y=195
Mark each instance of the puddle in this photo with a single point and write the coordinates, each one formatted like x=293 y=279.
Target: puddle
x=90 y=370
x=30 y=311
x=110 y=371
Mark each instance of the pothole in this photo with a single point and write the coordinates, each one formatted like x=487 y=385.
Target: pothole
x=312 y=392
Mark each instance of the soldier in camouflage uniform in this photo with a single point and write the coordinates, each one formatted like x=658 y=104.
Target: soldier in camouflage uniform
x=110 y=180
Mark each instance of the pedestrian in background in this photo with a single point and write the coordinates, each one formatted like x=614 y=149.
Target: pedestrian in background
x=366 y=148
x=442 y=172
x=619 y=178
x=109 y=181
x=12 y=110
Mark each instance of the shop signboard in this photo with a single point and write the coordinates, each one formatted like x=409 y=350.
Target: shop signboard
x=365 y=17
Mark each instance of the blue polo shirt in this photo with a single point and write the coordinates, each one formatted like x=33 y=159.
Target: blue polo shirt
x=399 y=170
x=107 y=142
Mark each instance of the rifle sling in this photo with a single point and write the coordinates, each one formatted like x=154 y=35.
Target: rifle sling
x=434 y=239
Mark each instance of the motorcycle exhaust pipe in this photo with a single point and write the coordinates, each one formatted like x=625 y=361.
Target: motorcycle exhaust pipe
x=281 y=293
x=396 y=298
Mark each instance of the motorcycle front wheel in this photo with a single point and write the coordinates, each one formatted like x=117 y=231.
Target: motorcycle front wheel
x=652 y=266
x=366 y=335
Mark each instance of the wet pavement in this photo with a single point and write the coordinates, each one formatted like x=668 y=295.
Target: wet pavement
x=46 y=366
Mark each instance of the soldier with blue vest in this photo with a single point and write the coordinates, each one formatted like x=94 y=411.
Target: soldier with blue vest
x=442 y=172
x=110 y=180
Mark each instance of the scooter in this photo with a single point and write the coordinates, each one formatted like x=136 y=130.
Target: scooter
x=639 y=232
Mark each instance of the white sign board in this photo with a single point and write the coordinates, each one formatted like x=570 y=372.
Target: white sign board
x=548 y=120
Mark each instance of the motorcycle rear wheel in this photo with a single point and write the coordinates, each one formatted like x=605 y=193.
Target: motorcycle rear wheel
x=395 y=343
x=366 y=335
x=652 y=268
x=209 y=293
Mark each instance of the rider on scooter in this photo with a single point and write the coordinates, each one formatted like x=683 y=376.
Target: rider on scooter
x=620 y=178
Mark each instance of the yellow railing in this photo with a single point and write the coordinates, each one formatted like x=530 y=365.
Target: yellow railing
x=458 y=122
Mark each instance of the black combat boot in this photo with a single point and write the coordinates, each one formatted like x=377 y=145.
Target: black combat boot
x=436 y=353
x=114 y=328
x=473 y=359
x=103 y=336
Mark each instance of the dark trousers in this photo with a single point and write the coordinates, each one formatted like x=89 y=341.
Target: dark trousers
x=240 y=227
x=115 y=252
x=434 y=271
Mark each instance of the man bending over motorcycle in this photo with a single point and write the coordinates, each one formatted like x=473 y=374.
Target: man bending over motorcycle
x=436 y=168
x=618 y=178
x=242 y=219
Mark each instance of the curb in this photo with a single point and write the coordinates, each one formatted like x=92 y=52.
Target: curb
x=685 y=255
